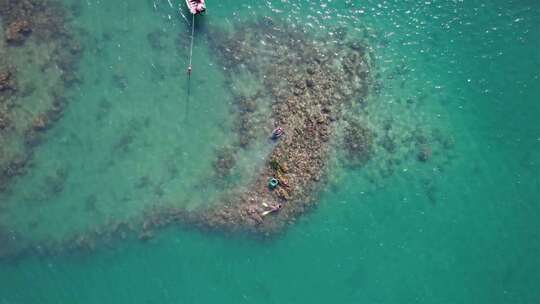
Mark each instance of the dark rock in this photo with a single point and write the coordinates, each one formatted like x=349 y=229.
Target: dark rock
x=224 y=162
x=7 y=81
x=31 y=138
x=247 y=104
x=4 y=121
x=17 y=31
x=389 y=144
x=358 y=143
x=156 y=39
x=40 y=123
x=15 y=167
x=70 y=79
x=424 y=154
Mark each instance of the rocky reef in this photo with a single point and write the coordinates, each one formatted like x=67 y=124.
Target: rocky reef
x=307 y=83
x=17 y=31
x=40 y=19
x=35 y=39
x=7 y=81
x=225 y=161
x=281 y=77
x=358 y=142
x=303 y=85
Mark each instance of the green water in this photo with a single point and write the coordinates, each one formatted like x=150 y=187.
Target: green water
x=461 y=228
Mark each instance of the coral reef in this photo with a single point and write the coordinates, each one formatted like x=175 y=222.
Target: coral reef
x=7 y=81
x=44 y=19
x=41 y=122
x=17 y=31
x=305 y=85
x=358 y=143
x=4 y=121
x=225 y=161
x=424 y=153
x=39 y=42
x=308 y=87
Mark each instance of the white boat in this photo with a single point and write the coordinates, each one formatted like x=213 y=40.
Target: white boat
x=196 y=7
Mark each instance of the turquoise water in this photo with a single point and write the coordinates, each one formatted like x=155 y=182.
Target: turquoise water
x=460 y=228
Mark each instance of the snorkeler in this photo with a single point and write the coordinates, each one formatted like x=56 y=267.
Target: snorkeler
x=277 y=133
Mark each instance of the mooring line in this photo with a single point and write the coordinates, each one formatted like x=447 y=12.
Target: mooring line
x=189 y=67
x=191 y=47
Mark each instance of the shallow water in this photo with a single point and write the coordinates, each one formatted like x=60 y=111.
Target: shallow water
x=461 y=227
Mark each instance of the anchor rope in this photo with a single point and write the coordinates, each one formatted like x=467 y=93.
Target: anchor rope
x=191 y=47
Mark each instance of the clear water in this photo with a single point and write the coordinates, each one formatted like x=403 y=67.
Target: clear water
x=462 y=228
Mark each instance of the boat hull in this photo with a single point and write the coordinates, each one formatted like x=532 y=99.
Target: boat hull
x=196 y=7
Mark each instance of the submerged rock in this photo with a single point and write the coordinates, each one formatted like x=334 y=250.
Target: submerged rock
x=4 y=121
x=424 y=154
x=7 y=81
x=358 y=142
x=40 y=122
x=306 y=102
x=225 y=161
x=53 y=48
x=17 y=31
